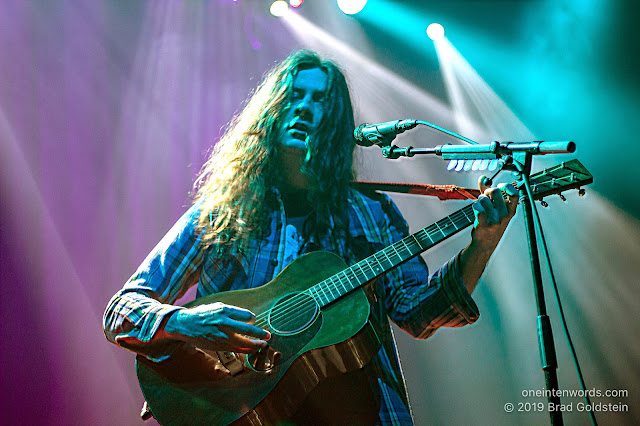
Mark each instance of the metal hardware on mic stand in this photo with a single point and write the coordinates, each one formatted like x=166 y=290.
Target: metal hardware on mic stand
x=546 y=346
x=475 y=152
x=516 y=156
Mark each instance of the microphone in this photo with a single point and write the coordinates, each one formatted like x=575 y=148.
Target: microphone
x=369 y=134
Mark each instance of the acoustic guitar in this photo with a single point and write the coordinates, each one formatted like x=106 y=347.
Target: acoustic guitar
x=317 y=311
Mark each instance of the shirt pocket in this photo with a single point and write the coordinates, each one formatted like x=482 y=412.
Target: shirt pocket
x=364 y=244
x=222 y=274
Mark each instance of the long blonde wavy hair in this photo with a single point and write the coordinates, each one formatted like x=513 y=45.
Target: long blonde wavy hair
x=236 y=182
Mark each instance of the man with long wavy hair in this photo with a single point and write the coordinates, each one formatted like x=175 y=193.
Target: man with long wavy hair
x=277 y=186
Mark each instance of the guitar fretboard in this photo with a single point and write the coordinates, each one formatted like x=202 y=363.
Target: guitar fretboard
x=554 y=180
x=381 y=262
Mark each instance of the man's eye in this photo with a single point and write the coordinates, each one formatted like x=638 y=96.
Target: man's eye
x=318 y=98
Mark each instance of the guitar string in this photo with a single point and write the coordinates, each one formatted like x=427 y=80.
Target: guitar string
x=332 y=283
x=306 y=306
x=324 y=292
x=335 y=281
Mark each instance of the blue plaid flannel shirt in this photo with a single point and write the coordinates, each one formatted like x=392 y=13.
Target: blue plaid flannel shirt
x=416 y=302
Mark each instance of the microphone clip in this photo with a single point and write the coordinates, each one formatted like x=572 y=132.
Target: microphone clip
x=382 y=134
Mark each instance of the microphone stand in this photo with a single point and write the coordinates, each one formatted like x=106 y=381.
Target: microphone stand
x=517 y=157
x=546 y=346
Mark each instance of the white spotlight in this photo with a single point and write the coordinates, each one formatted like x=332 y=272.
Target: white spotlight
x=279 y=8
x=351 y=7
x=435 y=32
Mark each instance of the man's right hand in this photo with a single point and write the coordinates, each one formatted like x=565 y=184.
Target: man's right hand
x=217 y=327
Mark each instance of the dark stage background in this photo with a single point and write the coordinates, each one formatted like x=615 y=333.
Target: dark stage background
x=107 y=110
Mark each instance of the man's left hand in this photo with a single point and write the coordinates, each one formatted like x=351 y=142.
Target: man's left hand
x=493 y=214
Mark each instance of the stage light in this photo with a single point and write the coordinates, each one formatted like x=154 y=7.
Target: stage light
x=351 y=7
x=279 y=8
x=296 y=3
x=435 y=32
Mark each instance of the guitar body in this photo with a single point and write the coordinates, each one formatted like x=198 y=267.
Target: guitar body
x=310 y=344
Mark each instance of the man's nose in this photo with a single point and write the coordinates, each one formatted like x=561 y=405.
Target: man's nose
x=303 y=108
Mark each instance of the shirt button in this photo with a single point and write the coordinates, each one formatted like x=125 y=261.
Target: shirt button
x=274 y=262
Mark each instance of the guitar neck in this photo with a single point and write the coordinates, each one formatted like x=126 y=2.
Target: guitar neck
x=383 y=261
x=568 y=175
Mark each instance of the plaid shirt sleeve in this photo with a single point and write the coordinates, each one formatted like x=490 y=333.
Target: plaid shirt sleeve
x=417 y=302
x=134 y=314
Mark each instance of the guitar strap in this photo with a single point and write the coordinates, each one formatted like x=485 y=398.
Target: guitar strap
x=443 y=192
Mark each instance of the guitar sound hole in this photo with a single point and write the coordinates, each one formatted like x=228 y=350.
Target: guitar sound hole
x=293 y=313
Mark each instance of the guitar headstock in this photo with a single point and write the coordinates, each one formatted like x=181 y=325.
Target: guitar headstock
x=563 y=177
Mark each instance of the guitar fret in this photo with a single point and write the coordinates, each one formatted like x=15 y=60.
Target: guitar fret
x=406 y=246
x=318 y=294
x=396 y=250
x=338 y=282
x=314 y=295
x=324 y=291
x=324 y=296
x=378 y=268
x=387 y=256
x=437 y=224
x=336 y=286
x=406 y=249
x=452 y=222
x=359 y=264
x=471 y=219
x=417 y=241
x=332 y=284
x=428 y=235
x=356 y=277
x=346 y=275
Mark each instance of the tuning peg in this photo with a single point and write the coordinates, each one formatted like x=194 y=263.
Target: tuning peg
x=562 y=197
x=544 y=203
x=581 y=192
x=485 y=181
